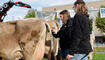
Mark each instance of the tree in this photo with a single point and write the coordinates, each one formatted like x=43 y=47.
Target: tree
x=91 y=23
x=100 y=22
x=56 y=18
x=30 y=14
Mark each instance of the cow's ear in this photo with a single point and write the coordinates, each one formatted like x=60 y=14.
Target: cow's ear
x=48 y=27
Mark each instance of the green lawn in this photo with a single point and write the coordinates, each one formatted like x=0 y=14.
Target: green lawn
x=98 y=56
x=45 y=59
x=100 y=49
x=100 y=53
x=95 y=57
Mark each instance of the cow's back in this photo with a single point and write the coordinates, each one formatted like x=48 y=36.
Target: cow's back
x=8 y=41
x=32 y=34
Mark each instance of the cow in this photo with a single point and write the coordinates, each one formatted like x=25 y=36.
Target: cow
x=52 y=45
x=32 y=34
x=23 y=39
x=9 y=47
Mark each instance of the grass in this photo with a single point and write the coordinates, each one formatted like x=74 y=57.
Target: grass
x=98 y=57
x=100 y=49
x=45 y=59
x=100 y=53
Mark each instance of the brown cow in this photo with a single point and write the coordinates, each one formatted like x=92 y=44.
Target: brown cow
x=23 y=39
x=52 y=45
x=9 y=47
x=32 y=35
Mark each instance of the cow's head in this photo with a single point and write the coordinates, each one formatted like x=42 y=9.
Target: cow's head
x=52 y=24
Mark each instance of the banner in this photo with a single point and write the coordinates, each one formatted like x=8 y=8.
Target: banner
x=102 y=12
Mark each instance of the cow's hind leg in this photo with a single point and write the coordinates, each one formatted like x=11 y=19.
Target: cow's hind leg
x=39 y=51
x=59 y=55
x=52 y=56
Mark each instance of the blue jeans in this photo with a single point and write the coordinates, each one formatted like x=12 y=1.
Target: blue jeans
x=80 y=57
x=64 y=53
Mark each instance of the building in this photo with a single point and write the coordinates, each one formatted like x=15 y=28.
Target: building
x=93 y=8
x=91 y=5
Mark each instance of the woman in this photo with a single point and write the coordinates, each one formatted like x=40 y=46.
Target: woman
x=80 y=46
x=63 y=33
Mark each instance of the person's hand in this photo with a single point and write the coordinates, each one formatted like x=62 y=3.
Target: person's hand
x=69 y=57
x=54 y=30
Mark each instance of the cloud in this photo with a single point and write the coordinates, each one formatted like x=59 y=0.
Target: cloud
x=57 y=2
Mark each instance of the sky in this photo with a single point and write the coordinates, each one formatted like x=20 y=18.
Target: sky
x=16 y=13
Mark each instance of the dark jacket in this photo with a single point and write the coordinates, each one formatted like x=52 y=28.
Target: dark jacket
x=65 y=35
x=80 y=35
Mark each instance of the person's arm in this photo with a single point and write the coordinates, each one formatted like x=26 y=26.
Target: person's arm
x=55 y=35
x=59 y=33
x=76 y=33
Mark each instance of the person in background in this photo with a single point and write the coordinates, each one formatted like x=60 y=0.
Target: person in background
x=80 y=45
x=64 y=33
